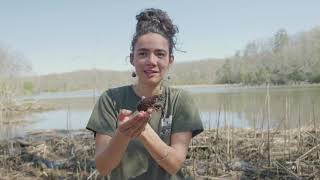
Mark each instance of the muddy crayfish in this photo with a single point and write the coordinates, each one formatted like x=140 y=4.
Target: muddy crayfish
x=153 y=102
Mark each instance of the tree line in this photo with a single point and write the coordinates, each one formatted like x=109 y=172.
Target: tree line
x=195 y=72
x=281 y=59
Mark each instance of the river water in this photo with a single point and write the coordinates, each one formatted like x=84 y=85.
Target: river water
x=220 y=106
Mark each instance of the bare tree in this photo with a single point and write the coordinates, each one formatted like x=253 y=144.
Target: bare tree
x=12 y=64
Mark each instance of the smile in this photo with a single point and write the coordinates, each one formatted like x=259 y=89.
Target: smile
x=150 y=72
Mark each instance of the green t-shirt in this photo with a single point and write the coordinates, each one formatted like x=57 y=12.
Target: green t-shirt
x=178 y=115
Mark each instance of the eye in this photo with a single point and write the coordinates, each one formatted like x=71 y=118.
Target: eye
x=161 y=54
x=142 y=54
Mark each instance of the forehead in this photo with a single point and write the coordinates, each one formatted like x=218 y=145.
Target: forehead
x=152 y=41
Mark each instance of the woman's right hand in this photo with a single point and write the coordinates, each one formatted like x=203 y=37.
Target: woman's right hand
x=132 y=124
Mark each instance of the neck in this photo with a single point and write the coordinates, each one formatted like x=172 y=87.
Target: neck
x=147 y=90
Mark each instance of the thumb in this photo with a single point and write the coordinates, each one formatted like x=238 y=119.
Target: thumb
x=123 y=114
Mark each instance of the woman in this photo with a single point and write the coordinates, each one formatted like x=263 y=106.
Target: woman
x=149 y=144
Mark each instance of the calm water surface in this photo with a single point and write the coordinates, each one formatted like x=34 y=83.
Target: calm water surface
x=219 y=107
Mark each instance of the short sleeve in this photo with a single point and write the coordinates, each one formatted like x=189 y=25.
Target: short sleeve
x=103 y=118
x=186 y=116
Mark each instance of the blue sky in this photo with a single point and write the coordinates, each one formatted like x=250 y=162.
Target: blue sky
x=67 y=35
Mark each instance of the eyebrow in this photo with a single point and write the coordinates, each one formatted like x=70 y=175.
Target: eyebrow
x=142 y=49
x=145 y=49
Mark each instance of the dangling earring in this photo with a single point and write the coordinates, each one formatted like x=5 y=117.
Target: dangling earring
x=133 y=74
x=165 y=82
x=167 y=78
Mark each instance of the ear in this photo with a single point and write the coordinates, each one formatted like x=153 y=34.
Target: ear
x=131 y=59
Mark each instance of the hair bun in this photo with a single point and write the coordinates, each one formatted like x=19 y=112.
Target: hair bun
x=157 y=18
x=155 y=21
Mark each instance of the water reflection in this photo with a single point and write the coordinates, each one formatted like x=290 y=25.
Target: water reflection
x=242 y=107
x=249 y=109
x=12 y=124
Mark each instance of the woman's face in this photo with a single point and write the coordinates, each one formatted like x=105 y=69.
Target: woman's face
x=151 y=58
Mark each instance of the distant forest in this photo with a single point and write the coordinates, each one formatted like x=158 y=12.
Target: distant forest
x=279 y=60
x=199 y=72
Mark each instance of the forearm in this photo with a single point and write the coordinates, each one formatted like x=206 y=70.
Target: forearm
x=169 y=158
x=110 y=157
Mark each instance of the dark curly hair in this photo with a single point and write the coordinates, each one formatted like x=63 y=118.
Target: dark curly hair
x=155 y=21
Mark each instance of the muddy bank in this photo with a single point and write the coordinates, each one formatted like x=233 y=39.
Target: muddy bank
x=32 y=106
x=48 y=155
x=226 y=154
x=9 y=112
x=246 y=154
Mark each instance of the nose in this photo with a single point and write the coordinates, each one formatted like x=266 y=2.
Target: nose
x=152 y=59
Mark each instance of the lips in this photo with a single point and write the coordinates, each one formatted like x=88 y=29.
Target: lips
x=150 y=72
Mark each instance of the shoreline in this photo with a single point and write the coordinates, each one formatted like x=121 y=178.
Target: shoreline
x=245 y=86
x=188 y=86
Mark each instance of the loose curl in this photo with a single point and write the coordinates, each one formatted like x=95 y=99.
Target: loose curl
x=155 y=21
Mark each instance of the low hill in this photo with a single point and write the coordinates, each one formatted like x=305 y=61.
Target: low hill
x=184 y=73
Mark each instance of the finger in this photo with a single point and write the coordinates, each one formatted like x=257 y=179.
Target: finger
x=138 y=127
x=128 y=132
x=127 y=129
x=150 y=110
x=124 y=113
x=130 y=122
x=147 y=116
x=143 y=121
x=137 y=130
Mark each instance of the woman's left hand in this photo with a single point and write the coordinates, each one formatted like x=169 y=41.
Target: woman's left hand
x=133 y=125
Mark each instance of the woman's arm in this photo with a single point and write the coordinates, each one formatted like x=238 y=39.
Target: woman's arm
x=110 y=149
x=171 y=157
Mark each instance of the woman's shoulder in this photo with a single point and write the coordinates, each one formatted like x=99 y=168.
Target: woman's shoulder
x=116 y=91
x=178 y=96
x=179 y=92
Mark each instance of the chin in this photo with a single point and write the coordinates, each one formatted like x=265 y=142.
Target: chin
x=152 y=81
